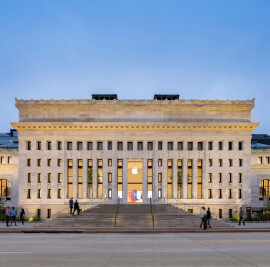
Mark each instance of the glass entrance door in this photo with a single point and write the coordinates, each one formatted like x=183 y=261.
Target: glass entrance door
x=135 y=178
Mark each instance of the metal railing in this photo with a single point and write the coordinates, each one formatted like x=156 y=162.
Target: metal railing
x=116 y=212
x=152 y=212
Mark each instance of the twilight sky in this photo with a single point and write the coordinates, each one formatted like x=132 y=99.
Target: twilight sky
x=63 y=49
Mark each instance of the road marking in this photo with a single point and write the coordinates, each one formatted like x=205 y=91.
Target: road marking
x=14 y=252
x=134 y=241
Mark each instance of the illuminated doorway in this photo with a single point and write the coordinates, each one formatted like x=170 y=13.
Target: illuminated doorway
x=135 y=178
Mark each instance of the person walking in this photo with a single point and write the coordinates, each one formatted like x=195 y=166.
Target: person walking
x=203 y=219
x=22 y=214
x=241 y=216
x=71 y=205
x=76 y=207
x=7 y=215
x=13 y=214
x=208 y=217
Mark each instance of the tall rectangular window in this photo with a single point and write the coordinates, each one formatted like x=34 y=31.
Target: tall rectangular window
x=179 y=177
x=169 y=178
x=39 y=178
x=130 y=146
x=29 y=178
x=149 y=145
x=199 y=178
x=100 y=178
x=229 y=193
x=220 y=145
x=240 y=146
x=59 y=177
x=109 y=162
x=160 y=147
x=70 y=178
x=120 y=178
x=190 y=145
x=59 y=162
x=220 y=162
x=240 y=162
x=28 y=163
x=210 y=145
x=160 y=178
x=209 y=193
x=119 y=145
x=210 y=177
x=80 y=178
x=69 y=145
x=8 y=160
x=159 y=162
x=220 y=213
x=39 y=193
x=170 y=145
x=230 y=162
x=219 y=193
x=59 y=193
x=159 y=193
x=28 y=193
x=39 y=162
x=49 y=194
x=38 y=145
x=230 y=145
x=99 y=146
x=90 y=178
x=230 y=178
x=79 y=146
x=240 y=178
x=28 y=145
x=49 y=145
x=109 y=177
x=230 y=213
x=180 y=146
x=49 y=177
x=210 y=162
x=239 y=193
x=268 y=160
x=59 y=145
x=2 y=160
x=149 y=177
x=220 y=178
x=110 y=145
x=189 y=178
x=89 y=145
x=200 y=146
x=140 y=145
x=49 y=162
x=109 y=193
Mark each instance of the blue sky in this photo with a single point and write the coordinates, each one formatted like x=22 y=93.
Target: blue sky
x=198 y=49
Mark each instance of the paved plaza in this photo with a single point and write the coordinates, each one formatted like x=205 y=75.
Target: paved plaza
x=208 y=249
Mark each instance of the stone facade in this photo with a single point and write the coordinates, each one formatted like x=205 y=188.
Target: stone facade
x=215 y=133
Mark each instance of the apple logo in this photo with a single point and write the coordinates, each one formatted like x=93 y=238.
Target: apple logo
x=134 y=170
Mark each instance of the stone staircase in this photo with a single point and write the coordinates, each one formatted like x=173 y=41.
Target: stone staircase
x=130 y=216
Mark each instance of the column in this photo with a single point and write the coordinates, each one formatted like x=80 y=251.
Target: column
x=125 y=180
x=175 y=178
x=144 y=181
x=194 y=178
x=184 y=180
x=75 y=177
x=85 y=177
x=155 y=179
x=95 y=177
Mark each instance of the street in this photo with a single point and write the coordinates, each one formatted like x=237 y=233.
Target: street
x=202 y=249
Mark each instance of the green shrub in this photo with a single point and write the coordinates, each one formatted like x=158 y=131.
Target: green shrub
x=235 y=218
x=34 y=219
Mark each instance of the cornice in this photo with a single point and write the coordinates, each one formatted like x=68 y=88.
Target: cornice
x=85 y=104
x=135 y=126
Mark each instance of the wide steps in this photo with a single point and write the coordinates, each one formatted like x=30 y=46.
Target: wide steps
x=130 y=216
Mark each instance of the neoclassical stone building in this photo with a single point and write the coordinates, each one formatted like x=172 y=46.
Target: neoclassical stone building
x=191 y=153
x=197 y=151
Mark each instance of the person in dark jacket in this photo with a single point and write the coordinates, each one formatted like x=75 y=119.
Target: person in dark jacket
x=70 y=205
x=22 y=214
x=76 y=207
x=208 y=217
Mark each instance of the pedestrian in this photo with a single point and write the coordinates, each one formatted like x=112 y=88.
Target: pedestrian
x=208 y=217
x=22 y=214
x=7 y=216
x=70 y=205
x=241 y=216
x=76 y=207
x=203 y=219
x=13 y=215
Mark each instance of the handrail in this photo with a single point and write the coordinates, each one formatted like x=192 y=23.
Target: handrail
x=152 y=212
x=116 y=212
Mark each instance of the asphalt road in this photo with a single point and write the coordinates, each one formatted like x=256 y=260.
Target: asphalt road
x=202 y=249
